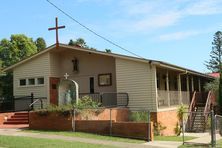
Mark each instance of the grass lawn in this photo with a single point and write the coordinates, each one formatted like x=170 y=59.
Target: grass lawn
x=87 y=135
x=27 y=142
x=172 y=138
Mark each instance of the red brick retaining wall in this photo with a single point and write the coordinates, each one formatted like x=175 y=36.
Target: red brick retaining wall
x=50 y=121
x=132 y=129
x=166 y=118
x=93 y=126
x=56 y=121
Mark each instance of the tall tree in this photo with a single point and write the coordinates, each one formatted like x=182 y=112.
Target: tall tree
x=18 y=47
x=11 y=51
x=40 y=44
x=215 y=63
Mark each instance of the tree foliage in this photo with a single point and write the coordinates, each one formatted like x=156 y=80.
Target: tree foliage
x=13 y=50
x=18 y=47
x=214 y=63
x=40 y=44
x=79 y=42
x=108 y=50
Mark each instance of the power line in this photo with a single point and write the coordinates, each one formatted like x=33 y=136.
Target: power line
x=90 y=30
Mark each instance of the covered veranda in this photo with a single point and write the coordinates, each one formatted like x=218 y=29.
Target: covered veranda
x=176 y=87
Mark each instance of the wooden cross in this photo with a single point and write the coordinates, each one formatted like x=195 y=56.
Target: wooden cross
x=66 y=76
x=56 y=28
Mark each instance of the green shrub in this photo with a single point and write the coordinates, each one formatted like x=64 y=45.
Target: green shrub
x=85 y=106
x=87 y=102
x=62 y=109
x=139 y=116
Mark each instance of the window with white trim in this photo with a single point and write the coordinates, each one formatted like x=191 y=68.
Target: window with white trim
x=31 y=81
x=22 y=82
x=40 y=81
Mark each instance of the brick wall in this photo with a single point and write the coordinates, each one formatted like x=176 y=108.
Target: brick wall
x=3 y=115
x=51 y=121
x=93 y=126
x=56 y=121
x=166 y=118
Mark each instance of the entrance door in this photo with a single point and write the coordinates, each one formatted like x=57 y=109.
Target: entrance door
x=91 y=85
x=53 y=90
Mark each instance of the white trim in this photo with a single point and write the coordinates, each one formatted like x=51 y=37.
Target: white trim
x=28 y=85
x=167 y=109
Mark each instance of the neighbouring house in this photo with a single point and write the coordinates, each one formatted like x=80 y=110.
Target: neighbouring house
x=149 y=84
x=215 y=74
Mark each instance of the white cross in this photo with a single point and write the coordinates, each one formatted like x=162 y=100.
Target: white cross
x=66 y=76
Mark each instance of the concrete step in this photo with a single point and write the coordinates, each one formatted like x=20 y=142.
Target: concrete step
x=18 y=118
x=16 y=122
x=21 y=113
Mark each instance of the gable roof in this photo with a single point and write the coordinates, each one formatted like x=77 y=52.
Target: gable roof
x=155 y=62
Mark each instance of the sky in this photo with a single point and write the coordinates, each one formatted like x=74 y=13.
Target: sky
x=179 y=32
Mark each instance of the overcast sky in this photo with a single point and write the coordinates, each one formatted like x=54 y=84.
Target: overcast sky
x=175 y=31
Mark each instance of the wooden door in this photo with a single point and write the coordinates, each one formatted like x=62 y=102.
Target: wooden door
x=54 y=82
x=91 y=85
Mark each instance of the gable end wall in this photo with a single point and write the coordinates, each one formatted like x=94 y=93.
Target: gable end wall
x=37 y=67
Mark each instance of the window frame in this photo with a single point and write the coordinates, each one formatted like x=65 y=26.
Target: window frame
x=37 y=81
x=24 y=84
x=102 y=75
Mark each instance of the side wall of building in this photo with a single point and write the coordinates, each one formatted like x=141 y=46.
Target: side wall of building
x=139 y=81
x=38 y=67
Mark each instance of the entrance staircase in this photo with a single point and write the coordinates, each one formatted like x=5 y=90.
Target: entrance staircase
x=198 y=112
x=18 y=118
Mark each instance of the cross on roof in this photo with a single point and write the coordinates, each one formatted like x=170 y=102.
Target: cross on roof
x=66 y=76
x=56 y=28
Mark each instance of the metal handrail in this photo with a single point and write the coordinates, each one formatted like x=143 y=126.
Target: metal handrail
x=193 y=102
x=207 y=105
x=39 y=99
x=191 y=108
x=100 y=97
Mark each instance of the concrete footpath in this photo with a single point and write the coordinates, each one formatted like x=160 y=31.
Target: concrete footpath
x=204 y=138
x=155 y=144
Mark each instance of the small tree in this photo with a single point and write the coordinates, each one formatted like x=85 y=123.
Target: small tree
x=180 y=115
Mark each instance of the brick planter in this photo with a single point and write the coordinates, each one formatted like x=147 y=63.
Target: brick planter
x=50 y=121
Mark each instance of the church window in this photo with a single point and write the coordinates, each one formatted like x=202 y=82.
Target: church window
x=22 y=82
x=40 y=81
x=31 y=81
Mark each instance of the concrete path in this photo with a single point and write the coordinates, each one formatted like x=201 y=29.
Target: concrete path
x=164 y=144
x=17 y=132
x=205 y=139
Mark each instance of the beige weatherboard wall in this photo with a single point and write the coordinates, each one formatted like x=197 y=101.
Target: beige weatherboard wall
x=139 y=81
x=90 y=66
x=36 y=68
